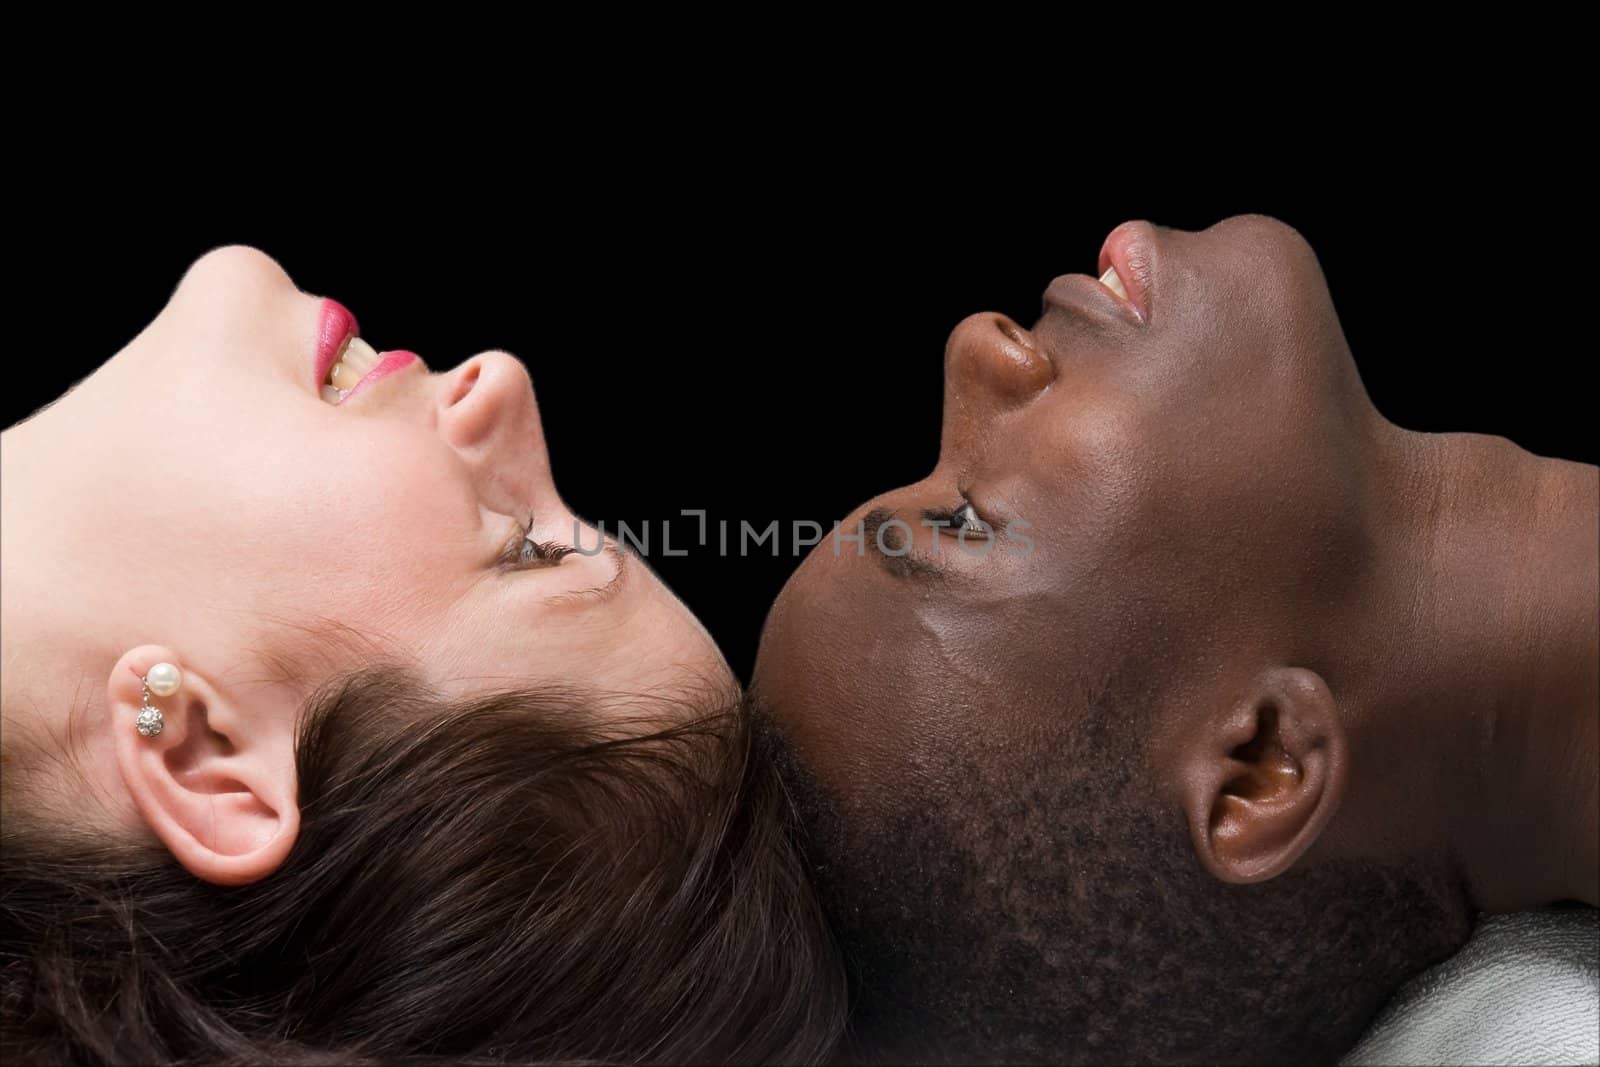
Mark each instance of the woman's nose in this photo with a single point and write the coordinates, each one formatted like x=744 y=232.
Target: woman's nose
x=990 y=365
x=488 y=414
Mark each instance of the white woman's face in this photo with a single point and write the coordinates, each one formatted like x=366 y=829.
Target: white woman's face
x=235 y=493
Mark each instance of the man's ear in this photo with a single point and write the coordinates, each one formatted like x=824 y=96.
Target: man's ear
x=1261 y=782
x=217 y=785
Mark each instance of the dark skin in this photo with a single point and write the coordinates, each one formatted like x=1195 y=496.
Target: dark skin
x=1360 y=641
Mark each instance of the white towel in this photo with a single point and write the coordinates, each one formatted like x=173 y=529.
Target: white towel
x=1524 y=989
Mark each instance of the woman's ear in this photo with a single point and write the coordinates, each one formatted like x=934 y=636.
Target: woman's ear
x=1261 y=782
x=216 y=784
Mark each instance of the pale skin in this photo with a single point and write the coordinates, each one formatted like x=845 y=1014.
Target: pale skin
x=1363 y=641
x=195 y=501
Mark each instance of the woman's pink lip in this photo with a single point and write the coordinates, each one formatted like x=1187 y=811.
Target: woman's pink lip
x=335 y=327
x=388 y=363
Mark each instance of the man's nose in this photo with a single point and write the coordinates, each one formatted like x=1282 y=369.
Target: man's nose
x=488 y=414
x=991 y=365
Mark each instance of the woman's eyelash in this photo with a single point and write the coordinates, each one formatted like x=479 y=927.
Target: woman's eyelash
x=524 y=553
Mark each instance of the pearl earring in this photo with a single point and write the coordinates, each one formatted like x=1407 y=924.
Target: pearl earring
x=163 y=680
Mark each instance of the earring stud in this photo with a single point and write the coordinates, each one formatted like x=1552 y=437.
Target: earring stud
x=163 y=680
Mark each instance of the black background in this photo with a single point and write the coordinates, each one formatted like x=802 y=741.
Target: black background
x=762 y=338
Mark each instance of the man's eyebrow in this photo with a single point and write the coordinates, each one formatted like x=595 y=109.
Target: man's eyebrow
x=905 y=564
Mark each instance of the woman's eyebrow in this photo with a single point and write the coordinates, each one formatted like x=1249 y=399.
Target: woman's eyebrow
x=601 y=593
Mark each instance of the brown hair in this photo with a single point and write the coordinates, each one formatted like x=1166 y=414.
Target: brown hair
x=488 y=880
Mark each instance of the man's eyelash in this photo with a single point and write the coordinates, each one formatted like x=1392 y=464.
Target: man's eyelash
x=963 y=515
x=524 y=553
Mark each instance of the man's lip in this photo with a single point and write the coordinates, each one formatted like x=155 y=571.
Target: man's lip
x=335 y=327
x=1131 y=249
x=1086 y=295
x=388 y=363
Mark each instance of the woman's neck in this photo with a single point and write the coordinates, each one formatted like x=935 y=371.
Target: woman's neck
x=53 y=640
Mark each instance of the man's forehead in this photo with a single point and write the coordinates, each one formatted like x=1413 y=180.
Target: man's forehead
x=805 y=657
x=856 y=674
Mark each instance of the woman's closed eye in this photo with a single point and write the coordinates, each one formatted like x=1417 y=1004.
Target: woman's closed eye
x=526 y=553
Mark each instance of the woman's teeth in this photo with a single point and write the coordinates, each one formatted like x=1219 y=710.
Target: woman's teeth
x=352 y=365
x=1113 y=281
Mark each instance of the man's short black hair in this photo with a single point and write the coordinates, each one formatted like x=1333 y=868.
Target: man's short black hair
x=1053 y=910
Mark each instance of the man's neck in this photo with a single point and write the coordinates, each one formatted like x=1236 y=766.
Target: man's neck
x=1509 y=547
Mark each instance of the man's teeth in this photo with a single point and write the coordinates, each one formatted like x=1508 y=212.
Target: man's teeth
x=353 y=363
x=1113 y=281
